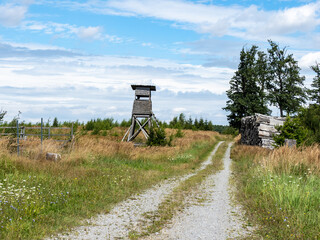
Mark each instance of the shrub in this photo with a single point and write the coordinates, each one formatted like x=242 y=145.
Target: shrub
x=231 y=131
x=157 y=137
x=304 y=128
x=179 y=133
x=310 y=118
x=291 y=129
x=96 y=125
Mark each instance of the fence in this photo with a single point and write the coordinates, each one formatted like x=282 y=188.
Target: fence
x=22 y=132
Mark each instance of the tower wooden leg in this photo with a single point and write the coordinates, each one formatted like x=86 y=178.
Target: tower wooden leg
x=133 y=126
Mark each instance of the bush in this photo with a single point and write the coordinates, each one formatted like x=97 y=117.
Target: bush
x=304 y=128
x=310 y=118
x=179 y=133
x=96 y=125
x=291 y=129
x=231 y=131
x=157 y=137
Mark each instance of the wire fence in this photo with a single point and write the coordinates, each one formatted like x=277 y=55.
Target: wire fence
x=65 y=134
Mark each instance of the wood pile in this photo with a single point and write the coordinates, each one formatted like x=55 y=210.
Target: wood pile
x=259 y=129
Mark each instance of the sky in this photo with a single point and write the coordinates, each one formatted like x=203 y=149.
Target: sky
x=76 y=60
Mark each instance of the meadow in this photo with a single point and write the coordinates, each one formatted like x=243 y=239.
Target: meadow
x=39 y=198
x=280 y=190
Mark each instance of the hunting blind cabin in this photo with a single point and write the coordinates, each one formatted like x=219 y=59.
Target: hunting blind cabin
x=142 y=109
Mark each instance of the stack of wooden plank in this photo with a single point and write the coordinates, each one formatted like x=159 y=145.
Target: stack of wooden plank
x=258 y=130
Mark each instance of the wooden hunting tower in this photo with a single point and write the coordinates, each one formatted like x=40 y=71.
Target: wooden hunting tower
x=142 y=108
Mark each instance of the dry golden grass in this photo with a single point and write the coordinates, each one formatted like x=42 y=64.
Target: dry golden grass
x=87 y=146
x=283 y=158
x=288 y=158
x=110 y=147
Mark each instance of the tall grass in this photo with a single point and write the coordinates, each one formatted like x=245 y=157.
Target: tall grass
x=280 y=190
x=38 y=197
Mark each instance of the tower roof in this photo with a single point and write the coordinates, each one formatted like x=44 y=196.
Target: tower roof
x=151 y=87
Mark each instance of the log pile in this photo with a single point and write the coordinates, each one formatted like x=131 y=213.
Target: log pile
x=259 y=129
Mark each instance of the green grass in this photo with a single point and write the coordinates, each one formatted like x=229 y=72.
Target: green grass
x=43 y=198
x=284 y=205
x=176 y=201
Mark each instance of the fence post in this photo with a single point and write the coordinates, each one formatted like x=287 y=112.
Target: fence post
x=18 y=147
x=71 y=131
x=41 y=132
x=49 y=132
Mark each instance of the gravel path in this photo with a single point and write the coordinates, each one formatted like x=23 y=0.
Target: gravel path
x=126 y=215
x=215 y=218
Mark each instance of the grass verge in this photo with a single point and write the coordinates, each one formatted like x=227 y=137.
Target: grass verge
x=39 y=198
x=176 y=201
x=280 y=190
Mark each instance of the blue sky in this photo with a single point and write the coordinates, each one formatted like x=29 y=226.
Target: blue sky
x=76 y=59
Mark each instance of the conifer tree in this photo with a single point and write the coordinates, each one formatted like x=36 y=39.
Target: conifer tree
x=286 y=85
x=315 y=92
x=55 y=122
x=246 y=93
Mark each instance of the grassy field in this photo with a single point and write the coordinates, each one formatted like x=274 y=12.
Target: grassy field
x=39 y=198
x=280 y=190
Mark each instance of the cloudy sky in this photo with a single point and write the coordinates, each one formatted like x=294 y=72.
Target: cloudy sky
x=76 y=59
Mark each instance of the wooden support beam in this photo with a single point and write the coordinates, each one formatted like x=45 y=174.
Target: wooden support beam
x=126 y=134
x=146 y=134
x=141 y=128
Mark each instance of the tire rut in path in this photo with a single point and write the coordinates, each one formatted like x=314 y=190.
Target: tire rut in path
x=126 y=215
x=215 y=218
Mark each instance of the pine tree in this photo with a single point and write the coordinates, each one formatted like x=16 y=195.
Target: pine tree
x=189 y=123
x=55 y=122
x=201 y=124
x=315 y=92
x=246 y=93
x=182 y=120
x=286 y=85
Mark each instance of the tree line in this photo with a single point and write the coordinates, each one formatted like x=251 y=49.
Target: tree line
x=100 y=125
x=266 y=79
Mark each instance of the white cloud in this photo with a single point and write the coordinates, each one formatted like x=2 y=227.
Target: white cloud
x=72 y=86
x=244 y=22
x=89 y=33
x=309 y=59
x=65 y=67
x=11 y=15
x=179 y=110
x=60 y=30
